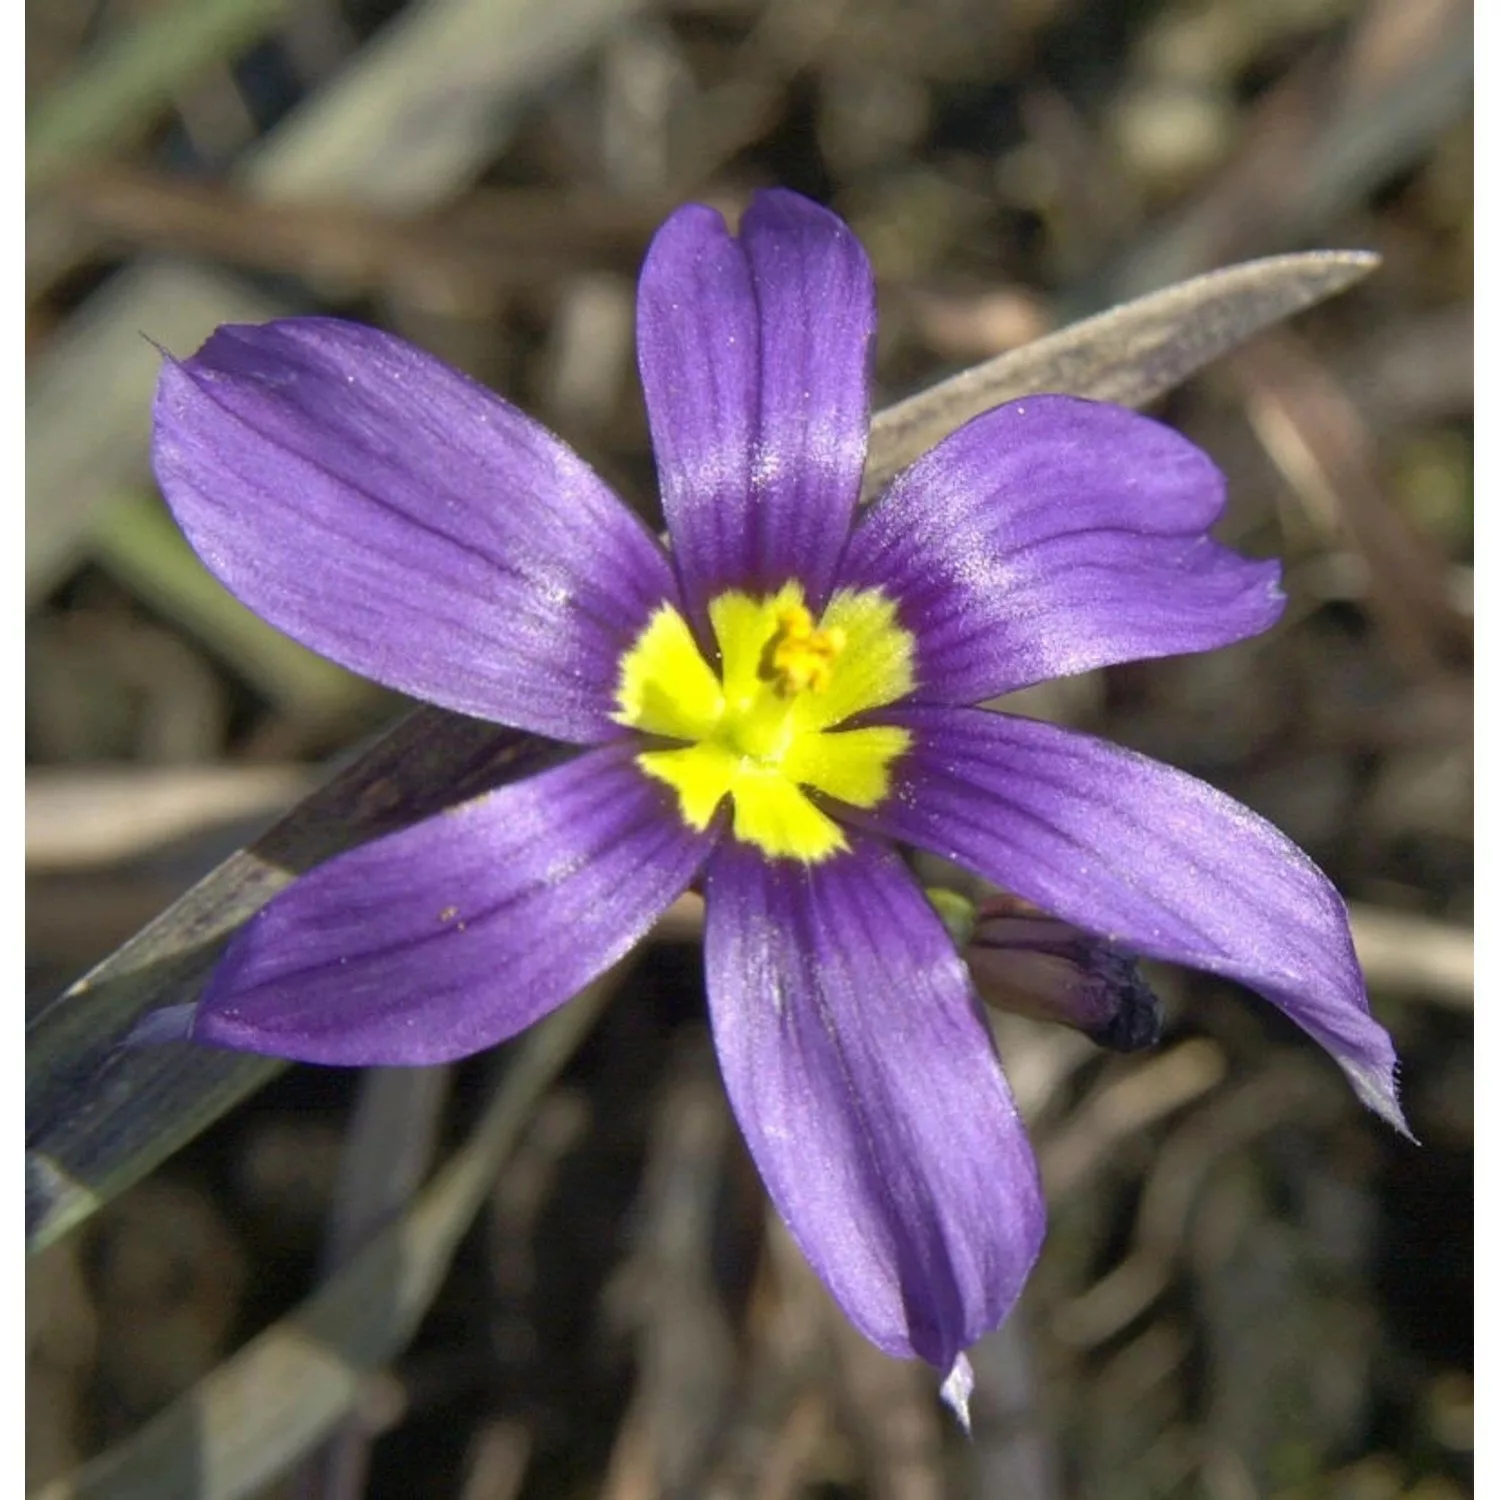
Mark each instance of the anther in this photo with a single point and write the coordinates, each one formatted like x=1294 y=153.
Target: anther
x=799 y=657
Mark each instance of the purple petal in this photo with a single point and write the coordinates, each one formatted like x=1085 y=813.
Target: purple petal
x=867 y=1086
x=391 y=514
x=455 y=934
x=754 y=355
x=1053 y=535
x=1147 y=857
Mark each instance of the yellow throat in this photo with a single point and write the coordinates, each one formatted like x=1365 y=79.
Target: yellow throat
x=765 y=730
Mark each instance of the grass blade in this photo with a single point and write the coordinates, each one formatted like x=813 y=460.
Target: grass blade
x=100 y=1117
x=120 y=87
x=1131 y=354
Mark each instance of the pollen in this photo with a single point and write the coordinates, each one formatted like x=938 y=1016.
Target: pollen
x=762 y=726
x=799 y=657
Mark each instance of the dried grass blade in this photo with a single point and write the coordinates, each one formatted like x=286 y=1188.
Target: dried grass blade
x=1131 y=354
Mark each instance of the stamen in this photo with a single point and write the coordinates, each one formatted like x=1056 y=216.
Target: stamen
x=798 y=657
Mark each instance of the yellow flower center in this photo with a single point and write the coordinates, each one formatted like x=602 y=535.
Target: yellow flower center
x=764 y=729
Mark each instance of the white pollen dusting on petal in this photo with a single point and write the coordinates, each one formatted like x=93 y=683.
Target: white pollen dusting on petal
x=766 y=469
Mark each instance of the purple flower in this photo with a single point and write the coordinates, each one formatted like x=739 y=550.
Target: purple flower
x=770 y=706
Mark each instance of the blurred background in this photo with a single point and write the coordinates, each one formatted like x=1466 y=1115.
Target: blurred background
x=1251 y=1288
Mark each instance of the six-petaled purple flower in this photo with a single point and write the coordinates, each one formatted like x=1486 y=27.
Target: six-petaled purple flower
x=773 y=705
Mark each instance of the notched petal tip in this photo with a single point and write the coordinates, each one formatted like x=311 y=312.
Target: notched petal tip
x=754 y=354
x=781 y=210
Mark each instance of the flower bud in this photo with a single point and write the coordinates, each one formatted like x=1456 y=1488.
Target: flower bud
x=1030 y=964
